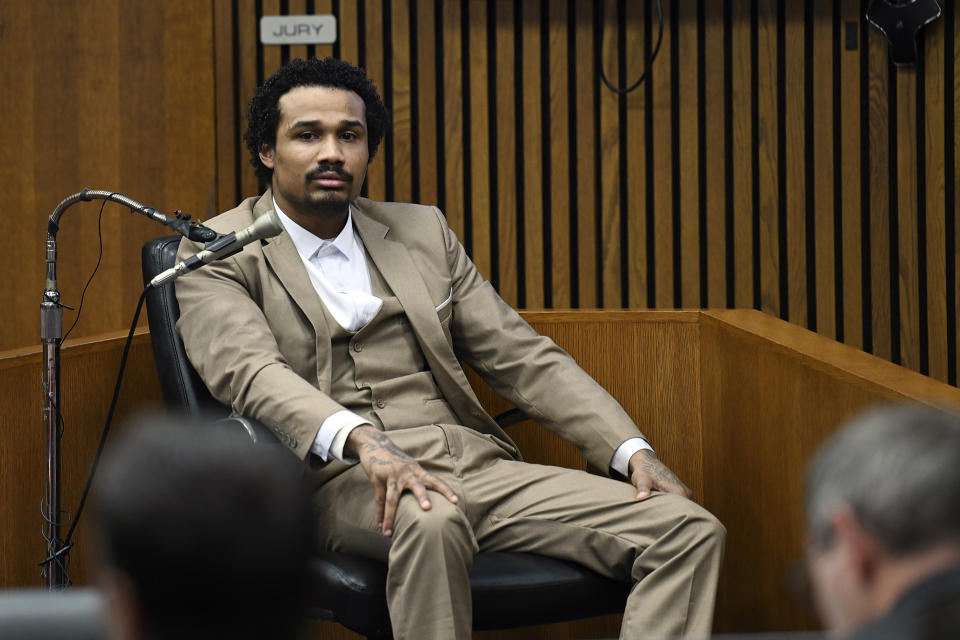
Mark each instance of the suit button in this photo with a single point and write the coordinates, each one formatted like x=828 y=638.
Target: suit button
x=381 y=404
x=358 y=346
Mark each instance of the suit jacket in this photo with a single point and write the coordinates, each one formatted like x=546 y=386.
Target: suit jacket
x=930 y=610
x=253 y=327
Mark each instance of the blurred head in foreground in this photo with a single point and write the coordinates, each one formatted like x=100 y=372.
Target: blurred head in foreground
x=883 y=520
x=199 y=533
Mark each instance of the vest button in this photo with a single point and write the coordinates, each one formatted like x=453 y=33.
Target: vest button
x=381 y=404
x=358 y=346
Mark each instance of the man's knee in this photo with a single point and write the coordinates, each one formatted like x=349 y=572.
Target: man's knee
x=442 y=522
x=696 y=524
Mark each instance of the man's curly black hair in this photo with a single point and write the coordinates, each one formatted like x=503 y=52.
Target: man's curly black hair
x=263 y=114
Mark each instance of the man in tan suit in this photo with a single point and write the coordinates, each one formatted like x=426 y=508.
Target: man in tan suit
x=345 y=334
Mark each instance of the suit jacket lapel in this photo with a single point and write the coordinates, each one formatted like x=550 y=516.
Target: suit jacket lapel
x=282 y=256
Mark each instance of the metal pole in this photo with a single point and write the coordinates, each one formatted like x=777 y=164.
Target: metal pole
x=51 y=333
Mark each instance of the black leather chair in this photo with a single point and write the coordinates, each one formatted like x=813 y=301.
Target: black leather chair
x=509 y=589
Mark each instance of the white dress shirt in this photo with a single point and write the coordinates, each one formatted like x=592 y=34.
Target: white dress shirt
x=339 y=273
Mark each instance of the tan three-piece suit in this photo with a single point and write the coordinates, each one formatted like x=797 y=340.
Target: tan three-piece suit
x=262 y=340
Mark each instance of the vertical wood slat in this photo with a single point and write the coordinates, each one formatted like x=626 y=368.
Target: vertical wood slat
x=879 y=131
x=908 y=267
x=505 y=172
x=586 y=142
x=663 y=226
x=793 y=158
x=766 y=148
x=480 y=134
x=374 y=59
x=852 y=247
x=714 y=127
x=559 y=154
x=823 y=168
x=609 y=159
x=636 y=172
x=744 y=153
x=532 y=166
x=934 y=187
x=687 y=100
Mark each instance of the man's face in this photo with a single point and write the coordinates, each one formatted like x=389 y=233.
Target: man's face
x=320 y=158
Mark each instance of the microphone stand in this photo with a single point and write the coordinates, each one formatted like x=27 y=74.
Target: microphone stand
x=51 y=335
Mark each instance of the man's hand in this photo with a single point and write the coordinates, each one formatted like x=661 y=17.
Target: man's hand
x=648 y=474
x=392 y=471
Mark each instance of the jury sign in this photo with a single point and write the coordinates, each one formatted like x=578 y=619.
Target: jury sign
x=298 y=29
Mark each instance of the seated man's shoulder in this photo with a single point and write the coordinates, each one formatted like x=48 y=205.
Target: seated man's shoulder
x=402 y=215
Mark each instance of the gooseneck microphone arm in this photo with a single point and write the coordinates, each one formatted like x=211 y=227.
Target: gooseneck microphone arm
x=51 y=335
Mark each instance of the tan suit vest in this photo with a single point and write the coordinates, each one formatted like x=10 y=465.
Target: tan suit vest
x=380 y=372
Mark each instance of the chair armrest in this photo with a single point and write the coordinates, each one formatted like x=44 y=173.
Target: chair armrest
x=256 y=430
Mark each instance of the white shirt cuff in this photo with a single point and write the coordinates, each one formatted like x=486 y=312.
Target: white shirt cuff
x=621 y=459
x=333 y=434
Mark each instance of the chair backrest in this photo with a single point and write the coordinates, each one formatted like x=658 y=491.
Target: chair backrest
x=183 y=390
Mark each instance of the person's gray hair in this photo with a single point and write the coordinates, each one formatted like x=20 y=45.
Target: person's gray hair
x=898 y=469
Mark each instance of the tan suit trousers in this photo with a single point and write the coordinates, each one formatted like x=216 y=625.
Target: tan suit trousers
x=668 y=545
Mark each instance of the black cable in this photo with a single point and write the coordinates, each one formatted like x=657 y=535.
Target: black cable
x=106 y=426
x=95 y=268
x=653 y=56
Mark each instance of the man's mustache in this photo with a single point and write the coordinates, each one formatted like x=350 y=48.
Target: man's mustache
x=330 y=168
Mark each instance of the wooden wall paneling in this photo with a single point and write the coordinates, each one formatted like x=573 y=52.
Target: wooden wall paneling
x=425 y=146
x=401 y=75
x=756 y=371
x=533 y=206
x=745 y=152
x=793 y=160
x=88 y=373
x=687 y=99
x=908 y=267
x=768 y=157
x=557 y=149
x=453 y=132
x=934 y=195
x=503 y=167
x=609 y=157
x=26 y=208
x=879 y=181
x=665 y=245
x=648 y=361
x=375 y=58
x=821 y=186
x=587 y=141
x=637 y=170
x=479 y=127
x=739 y=376
x=714 y=130
x=850 y=178
x=104 y=112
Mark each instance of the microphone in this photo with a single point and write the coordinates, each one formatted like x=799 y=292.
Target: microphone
x=266 y=226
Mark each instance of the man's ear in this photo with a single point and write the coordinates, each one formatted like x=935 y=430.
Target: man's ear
x=266 y=156
x=861 y=549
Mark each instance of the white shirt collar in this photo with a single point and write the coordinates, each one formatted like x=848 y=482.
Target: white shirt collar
x=308 y=244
